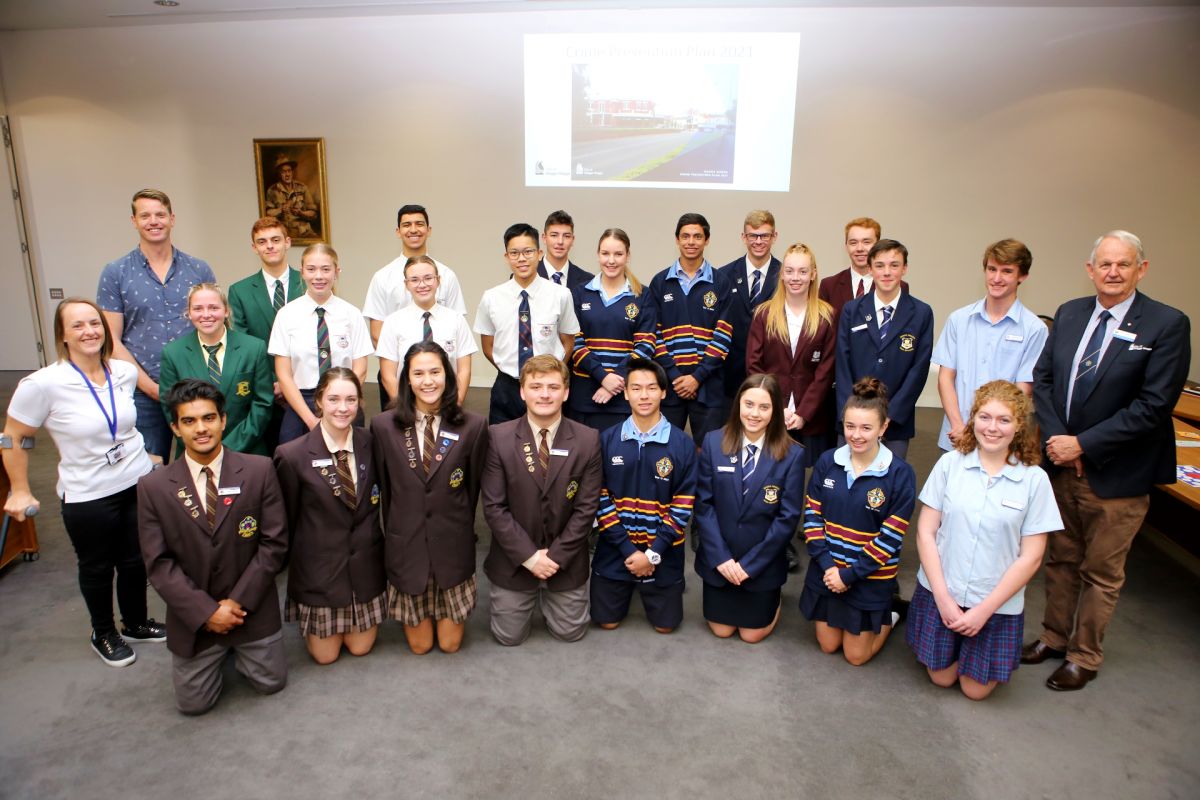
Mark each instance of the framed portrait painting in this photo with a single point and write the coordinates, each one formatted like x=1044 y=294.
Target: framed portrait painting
x=292 y=186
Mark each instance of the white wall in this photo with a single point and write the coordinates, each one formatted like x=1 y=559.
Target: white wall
x=954 y=127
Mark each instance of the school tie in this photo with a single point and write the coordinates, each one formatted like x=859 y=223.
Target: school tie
x=428 y=444
x=544 y=453
x=885 y=322
x=557 y=278
x=748 y=465
x=1086 y=370
x=214 y=368
x=426 y=328
x=526 y=331
x=324 y=362
x=859 y=291
x=277 y=297
x=756 y=285
x=210 y=497
x=346 y=478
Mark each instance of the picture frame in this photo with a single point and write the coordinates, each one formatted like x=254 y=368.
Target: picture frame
x=292 y=187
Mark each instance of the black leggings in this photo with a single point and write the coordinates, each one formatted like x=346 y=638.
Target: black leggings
x=104 y=534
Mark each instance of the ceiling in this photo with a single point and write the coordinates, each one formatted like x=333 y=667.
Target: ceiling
x=47 y=14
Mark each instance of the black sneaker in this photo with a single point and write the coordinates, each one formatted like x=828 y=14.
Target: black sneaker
x=112 y=649
x=148 y=631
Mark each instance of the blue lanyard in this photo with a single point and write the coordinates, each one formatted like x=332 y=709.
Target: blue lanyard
x=112 y=398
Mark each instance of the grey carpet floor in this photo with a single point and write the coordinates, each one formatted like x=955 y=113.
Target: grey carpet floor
x=621 y=714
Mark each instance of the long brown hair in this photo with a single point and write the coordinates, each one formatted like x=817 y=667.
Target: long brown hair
x=774 y=310
x=777 y=439
x=1025 y=446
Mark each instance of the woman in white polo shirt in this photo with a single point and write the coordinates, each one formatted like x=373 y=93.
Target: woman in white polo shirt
x=311 y=334
x=85 y=401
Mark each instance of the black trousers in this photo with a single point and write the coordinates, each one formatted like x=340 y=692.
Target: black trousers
x=702 y=418
x=506 y=403
x=104 y=535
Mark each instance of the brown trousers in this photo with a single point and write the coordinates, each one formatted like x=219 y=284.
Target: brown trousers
x=1085 y=566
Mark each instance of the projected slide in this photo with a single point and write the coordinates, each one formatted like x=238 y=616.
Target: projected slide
x=652 y=111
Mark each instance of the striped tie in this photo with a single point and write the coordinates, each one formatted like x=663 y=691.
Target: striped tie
x=525 y=329
x=210 y=497
x=1089 y=364
x=346 y=478
x=214 y=368
x=885 y=322
x=428 y=444
x=861 y=285
x=756 y=286
x=277 y=297
x=558 y=278
x=544 y=453
x=748 y=465
x=324 y=362
x=426 y=328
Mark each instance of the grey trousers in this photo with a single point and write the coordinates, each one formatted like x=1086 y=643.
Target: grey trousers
x=567 y=613
x=198 y=679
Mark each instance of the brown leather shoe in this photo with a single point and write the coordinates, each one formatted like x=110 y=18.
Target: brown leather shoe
x=1038 y=651
x=1070 y=677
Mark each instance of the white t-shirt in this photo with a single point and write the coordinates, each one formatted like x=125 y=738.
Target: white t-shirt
x=552 y=312
x=57 y=398
x=294 y=334
x=404 y=328
x=388 y=292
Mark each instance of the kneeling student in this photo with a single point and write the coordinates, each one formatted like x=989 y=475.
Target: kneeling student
x=541 y=488
x=646 y=500
x=213 y=536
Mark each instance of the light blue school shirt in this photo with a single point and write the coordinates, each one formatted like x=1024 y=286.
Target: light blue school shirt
x=983 y=520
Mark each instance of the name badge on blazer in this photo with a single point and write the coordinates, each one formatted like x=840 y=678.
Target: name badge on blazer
x=1013 y=504
x=1125 y=336
x=858 y=328
x=554 y=451
x=451 y=435
x=725 y=469
x=226 y=490
x=322 y=462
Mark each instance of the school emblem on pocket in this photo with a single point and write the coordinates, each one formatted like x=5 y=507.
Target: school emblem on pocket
x=375 y=495
x=710 y=299
x=771 y=494
x=875 y=497
x=243 y=389
x=907 y=342
x=664 y=467
x=545 y=331
x=631 y=311
x=247 y=527
x=572 y=489
x=456 y=478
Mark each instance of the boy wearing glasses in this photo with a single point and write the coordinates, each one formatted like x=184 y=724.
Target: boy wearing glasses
x=522 y=317
x=753 y=278
x=424 y=320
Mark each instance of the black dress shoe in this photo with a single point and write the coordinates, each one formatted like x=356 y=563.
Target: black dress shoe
x=1038 y=651
x=1070 y=677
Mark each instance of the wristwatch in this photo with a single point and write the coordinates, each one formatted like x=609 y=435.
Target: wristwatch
x=655 y=558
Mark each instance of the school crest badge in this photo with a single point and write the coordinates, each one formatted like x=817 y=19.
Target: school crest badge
x=456 y=478
x=247 y=527
x=572 y=489
x=545 y=331
x=875 y=497
x=631 y=311
x=710 y=299
x=243 y=389
x=375 y=495
x=664 y=467
x=771 y=494
x=907 y=342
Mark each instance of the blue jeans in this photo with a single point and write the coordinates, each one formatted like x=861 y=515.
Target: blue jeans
x=152 y=424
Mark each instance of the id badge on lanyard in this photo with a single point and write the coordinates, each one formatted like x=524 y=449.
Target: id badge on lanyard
x=117 y=452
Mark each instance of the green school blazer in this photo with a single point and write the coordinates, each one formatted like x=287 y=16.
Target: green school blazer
x=247 y=381
x=252 y=309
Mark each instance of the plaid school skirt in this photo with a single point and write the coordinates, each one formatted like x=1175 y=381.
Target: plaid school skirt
x=454 y=604
x=990 y=655
x=321 y=621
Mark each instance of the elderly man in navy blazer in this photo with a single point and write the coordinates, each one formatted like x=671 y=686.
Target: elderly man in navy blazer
x=1104 y=389
x=213 y=534
x=541 y=489
x=887 y=334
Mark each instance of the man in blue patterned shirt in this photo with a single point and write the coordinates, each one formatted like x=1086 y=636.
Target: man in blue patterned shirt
x=143 y=294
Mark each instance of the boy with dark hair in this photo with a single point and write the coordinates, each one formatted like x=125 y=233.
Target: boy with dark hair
x=558 y=236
